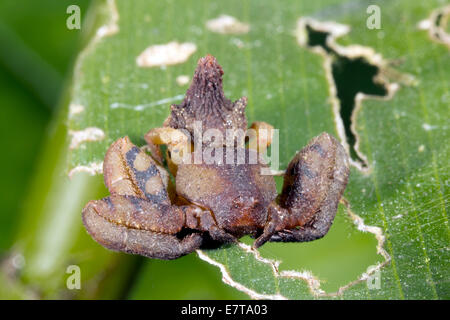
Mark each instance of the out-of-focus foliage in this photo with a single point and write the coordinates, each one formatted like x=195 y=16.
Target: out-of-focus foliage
x=37 y=50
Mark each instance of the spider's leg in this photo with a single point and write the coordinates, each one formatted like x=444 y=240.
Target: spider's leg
x=150 y=244
x=203 y=220
x=313 y=185
x=138 y=217
x=178 y=143
x=179 y=146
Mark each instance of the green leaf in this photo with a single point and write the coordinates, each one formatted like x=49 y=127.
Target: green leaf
x=392 y=228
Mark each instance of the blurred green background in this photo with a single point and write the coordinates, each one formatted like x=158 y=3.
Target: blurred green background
x=36 y=56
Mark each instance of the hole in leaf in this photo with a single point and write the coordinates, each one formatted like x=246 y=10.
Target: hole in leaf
x=336 y=259
x=351 y=76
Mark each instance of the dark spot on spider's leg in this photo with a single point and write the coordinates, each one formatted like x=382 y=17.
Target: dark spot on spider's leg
x=131 y=156
x=109 y=203
x=318 y=148
x=304 y=169
x=136 y=202
x=143 y=176
x=157 y=198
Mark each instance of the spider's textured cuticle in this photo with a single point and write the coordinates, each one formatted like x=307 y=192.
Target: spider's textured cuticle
x=218 y=200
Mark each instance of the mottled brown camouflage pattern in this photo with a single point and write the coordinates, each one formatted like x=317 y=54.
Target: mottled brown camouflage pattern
x=146 y=215
x=206 y=102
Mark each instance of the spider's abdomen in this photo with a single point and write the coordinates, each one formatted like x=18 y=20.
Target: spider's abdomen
x=237 y=194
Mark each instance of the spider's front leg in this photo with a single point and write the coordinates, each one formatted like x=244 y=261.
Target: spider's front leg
x=138 y=216
x=260 y=137
x=178 y=144
x=313 y=185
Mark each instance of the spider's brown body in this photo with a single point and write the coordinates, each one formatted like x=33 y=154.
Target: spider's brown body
x=145 y=214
